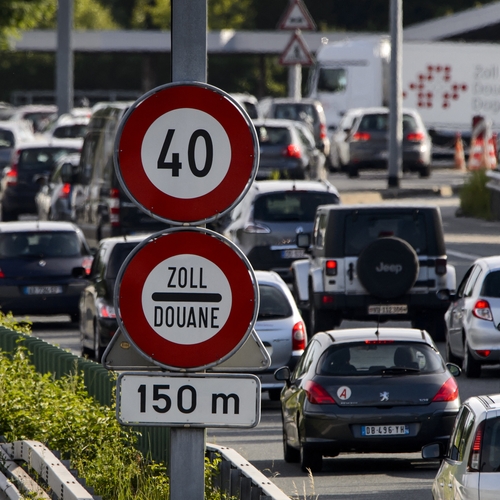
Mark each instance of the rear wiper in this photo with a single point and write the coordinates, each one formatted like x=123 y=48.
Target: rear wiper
x=399 y=369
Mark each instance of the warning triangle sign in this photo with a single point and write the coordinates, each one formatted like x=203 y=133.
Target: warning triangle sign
x=297 y=17
x=296 y=52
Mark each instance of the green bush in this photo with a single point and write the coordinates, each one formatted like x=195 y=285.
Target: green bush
x=475 y=197
x=61 y=414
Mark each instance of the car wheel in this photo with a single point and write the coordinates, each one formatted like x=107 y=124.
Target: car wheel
x=388 y=267
x=310 y=460
x=470 y=366
x=8 y=215
x=98 y=349
x=319 y=320
x=75 y=317
x=352 y=171
x=291 y=455
x=424 y=171
x=274 y=394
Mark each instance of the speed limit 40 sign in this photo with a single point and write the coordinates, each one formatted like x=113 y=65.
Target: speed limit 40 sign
x=186 y=152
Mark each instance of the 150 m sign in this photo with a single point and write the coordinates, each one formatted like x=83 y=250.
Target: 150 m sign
x=186 y=153
x=205 y=400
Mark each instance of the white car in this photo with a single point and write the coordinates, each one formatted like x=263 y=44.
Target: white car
x=471 y=465
x=473 y=318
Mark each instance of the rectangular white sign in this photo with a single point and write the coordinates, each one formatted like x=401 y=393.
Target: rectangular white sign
x=188 y=400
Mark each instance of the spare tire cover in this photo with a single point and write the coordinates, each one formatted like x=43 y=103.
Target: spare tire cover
x=388 y=267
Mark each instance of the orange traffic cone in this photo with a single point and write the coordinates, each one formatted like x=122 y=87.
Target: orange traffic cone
x=459 y=153
x=476 y=154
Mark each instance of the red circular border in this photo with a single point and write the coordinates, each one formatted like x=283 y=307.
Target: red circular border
x=134 y=129
x=165 y=352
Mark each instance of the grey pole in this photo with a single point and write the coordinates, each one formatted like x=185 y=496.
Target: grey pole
x=189 y=63
x=295 y=81
x=396 y=87
x=64 y=57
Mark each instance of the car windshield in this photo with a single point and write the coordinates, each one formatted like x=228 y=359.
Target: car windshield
x=362 y=229
x=34 y=158
x=297 y=206
x=491 y=285
x=118 y=255
x=273 y=303
x=40 y=243
x=6 y=139
x=380 y=357
x=273 y=136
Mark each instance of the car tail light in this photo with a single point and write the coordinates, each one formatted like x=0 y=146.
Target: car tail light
x=106 y=311
x=291 y=151
x=361 y=136
x=256 y=229
x=475 y=452
x=65 y=190
x=440 y=267
x=11 y=176
x=322 y=131
x=114 y=207
x=331 y=268
x=447 y=392
x=379 y=342
x=87 y=264
x=484 y=352
x=482 y=310
x=299 y=336
x=317 y=395
x=415 y=136
x=2 y=274
x=327 y=299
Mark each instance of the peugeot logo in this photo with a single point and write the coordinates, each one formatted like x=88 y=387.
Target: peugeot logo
x=42 y=263
x=384 y=396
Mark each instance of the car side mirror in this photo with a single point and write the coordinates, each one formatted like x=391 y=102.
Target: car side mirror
x=283 y=374
x=303 y=240
x=454 y=369
x=432 y=451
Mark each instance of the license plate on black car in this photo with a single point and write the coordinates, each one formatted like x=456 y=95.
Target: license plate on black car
x=293 y=253
x=384 y=430
x=42 y=290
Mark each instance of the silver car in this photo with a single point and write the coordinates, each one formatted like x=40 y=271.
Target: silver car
x=361 y=141
x=473 y=318
x=471 y=465
x=280 y=327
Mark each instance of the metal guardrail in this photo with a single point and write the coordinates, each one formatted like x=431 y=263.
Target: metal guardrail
x=241 y=479
x=61 y=482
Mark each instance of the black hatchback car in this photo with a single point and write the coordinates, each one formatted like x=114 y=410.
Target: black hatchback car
x=385 y=390
x=21 y=180
x=42 y=267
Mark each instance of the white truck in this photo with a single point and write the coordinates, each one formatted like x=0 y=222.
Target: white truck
x=447 y=82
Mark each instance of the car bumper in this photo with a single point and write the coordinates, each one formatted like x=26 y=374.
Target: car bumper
x=275 y=258
x=335 y=430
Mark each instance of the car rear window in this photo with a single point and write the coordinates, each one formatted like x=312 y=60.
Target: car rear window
x=374 y=357
x=490 y=453
x=41 y=244
x=363 y=229
x=296 y=206
x=6 y=139
x=273 y=303
x=380 y=122
x=118 y=255
x=273 y=136
x=35 y=158
x=295 y=111
x=70 y=131
x=491 y=285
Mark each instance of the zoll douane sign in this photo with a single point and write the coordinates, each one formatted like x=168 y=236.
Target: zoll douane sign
x=186 y=153
x=195 y=400
x=187 y=298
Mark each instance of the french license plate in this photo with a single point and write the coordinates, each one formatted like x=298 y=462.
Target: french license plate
x=388 y=309
x=293 y=253
x=384 y=430
x=42 y=290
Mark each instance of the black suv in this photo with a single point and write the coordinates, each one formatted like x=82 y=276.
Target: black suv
x=375 y=262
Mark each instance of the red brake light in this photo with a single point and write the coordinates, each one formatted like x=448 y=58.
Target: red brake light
x=448 y=391
x=298 y=336
x=415 y=136
x=361 y=136
x=484 y=352
x=2 y=274
x=482 y=310
x=11 y=176
x=475 y=452
x=322 y=131
x=440 y=267
x=87 y=264
x=114 y=207
x=291 y=151
x=66 y=188
x=379 y=341
x=331 y=267
x=317 y=395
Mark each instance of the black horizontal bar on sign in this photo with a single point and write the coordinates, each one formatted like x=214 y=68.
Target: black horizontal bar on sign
x=186 y=297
